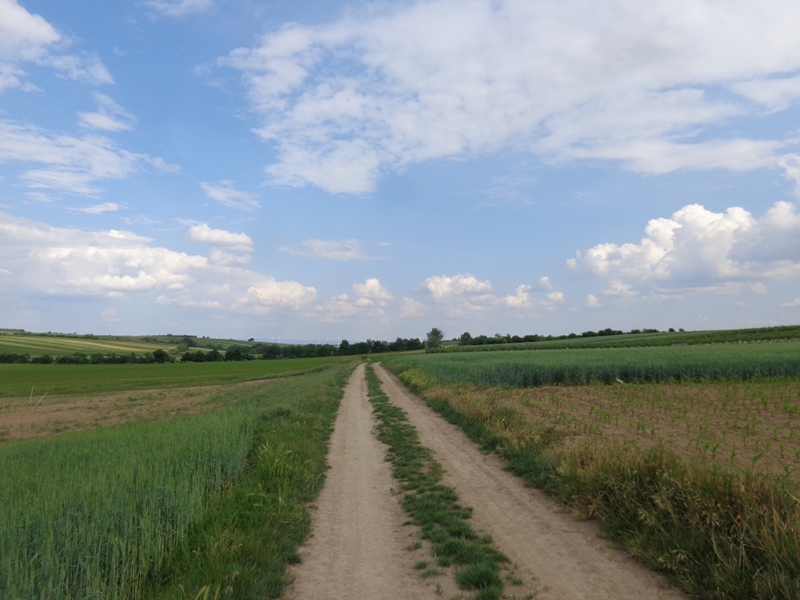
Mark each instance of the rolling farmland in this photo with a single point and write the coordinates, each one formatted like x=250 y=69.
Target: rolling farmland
x=186 y=480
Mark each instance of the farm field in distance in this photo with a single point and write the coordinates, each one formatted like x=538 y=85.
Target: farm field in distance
x=60 y=344
x=38 y=400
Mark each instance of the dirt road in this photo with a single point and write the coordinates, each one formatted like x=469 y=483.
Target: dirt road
x=563 y=558
x=359 y=545
x=358 y=549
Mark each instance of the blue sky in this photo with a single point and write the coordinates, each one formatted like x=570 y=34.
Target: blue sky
x=308 y=171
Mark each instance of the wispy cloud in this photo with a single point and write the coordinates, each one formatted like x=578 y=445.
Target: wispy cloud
x=96 y=209
x=180 y=8
x=346 y=250
x=69 y=163
x=109 y=116
x=227 y=195
x=647 y=85
x=29 y=38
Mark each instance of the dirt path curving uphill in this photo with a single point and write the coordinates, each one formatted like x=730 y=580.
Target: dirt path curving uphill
x=358 y=549
x=557 y=556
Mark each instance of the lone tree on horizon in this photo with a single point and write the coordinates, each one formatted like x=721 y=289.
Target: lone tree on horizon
x=435 y=337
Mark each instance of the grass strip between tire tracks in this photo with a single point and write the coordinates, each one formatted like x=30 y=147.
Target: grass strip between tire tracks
x=433 y=506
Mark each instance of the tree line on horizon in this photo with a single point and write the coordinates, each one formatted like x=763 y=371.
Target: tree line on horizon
x=467 y=340
x=266 y=351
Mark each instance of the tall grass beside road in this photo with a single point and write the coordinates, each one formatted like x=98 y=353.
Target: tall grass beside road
x=89 y=515
x=170 y=508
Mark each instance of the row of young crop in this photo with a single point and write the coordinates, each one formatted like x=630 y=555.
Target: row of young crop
x=734 y=336
x=150 y=509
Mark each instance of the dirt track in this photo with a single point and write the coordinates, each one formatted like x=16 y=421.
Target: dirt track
x=358 y=548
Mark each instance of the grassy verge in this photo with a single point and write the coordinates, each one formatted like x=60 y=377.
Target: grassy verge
x=720 y=534
x=434 y=506
x=194 y=507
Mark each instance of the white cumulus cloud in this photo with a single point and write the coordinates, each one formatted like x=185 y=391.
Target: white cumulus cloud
x=236 y=242
x=42 y=260
x=412 y=309
x=699 y=249
x=27 y=37
x=372 y=290
x=444 y=288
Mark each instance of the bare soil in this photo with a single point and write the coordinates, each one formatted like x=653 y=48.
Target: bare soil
x=556 y=555
x=744 y=425
x=359 y=545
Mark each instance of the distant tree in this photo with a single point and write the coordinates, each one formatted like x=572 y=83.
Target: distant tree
x=237 y=353
x=44 y=359
x=435 y=337
x=160 y=356
x=465 y=339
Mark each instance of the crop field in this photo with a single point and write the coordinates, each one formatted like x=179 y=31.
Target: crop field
x=752 y=426
x=690 y=456
x=169 y=508
x=641 y=340
x=57 y=345
x=610 y=365
x=17 y=380
x=39 y=400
